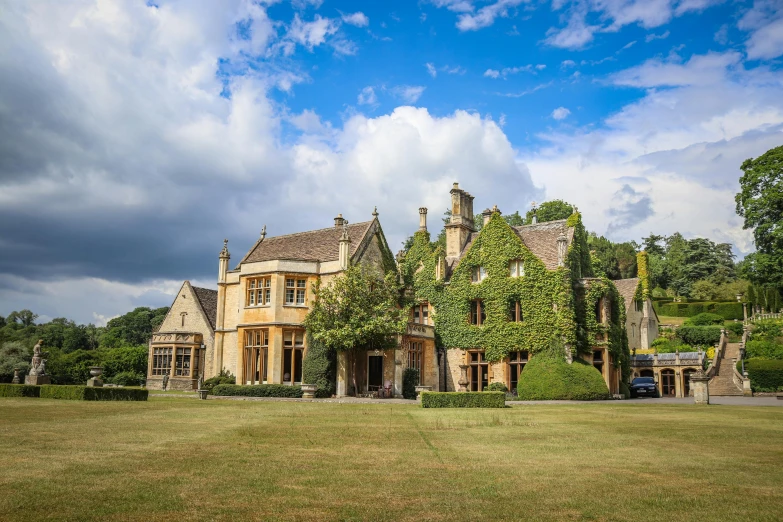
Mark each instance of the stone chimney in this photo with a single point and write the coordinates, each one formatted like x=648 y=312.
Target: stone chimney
x=534 y=219
x=562 y=247
x=423 y=219
x=461 y=223
x=339 y=221
x=486 y=215
x=345 y=249
x=223 y=262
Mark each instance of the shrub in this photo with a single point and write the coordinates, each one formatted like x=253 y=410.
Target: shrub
x=19 y=390
x=659 y=341
x=764 y=350
x=320 y=368
x=549 y=377
x=497 y=386
x=463 y=400
x=766 y=329
x=410 y=378
x=624 y=391
x=257 y=390
x=224 y=377
x=128 y=360
x=765 y=375
x=87 y=393
x=701 y=335
x=735 y=328
x=704 y=319
x=127 y=379
x=673 y=345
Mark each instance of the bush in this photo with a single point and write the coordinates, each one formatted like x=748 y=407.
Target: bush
x=624 y=391
x=128 y=360
x=257 y=390
x=673 y=345
x=549 y=377
x=87 y=393
x=735 y=328
x=765 y=375
x=497 y=386
x=699 y=335
x=764 y=350
x=410 y=378
x=320 y=368
x=127 y=379
x=463 y=399
x=767 y=329
x=224 y=377
x=704 y=319
x=19 y=390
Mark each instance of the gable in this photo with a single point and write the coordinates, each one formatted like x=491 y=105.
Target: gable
x=199 y=306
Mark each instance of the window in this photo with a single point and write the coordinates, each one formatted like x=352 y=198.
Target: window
x=182 y=367
x=295 y=291
x=479 y=274
x=516 y=268
x=416 y=358
x=477 y=313
x=421 y=313
x=515 y=312
x=598 y=360
x=478 y=371
x=259 y=291
x=668 y=387
x=293 y=351
x=256 y=355
x=182 y=315
x=516 y=363
x=161 y=361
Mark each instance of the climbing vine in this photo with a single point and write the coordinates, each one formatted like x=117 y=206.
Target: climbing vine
x=611 y=333
x=643 y=288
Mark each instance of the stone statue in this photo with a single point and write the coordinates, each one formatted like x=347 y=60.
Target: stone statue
x=38 y=364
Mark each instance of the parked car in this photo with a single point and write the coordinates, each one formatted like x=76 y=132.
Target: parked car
x=644 y=387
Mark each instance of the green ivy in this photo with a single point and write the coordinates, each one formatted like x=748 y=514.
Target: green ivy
x=613 y=333
x=642 y=291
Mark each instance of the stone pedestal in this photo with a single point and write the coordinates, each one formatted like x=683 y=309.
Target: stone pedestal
x=37 y=380
x=202 y=394
x=746 y=391
x=16 y=379
x=308 y=391
x=701 y=387
x=95 y=382
x=463 y=378
x=420 y=389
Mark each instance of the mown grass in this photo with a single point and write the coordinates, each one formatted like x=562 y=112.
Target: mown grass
x=174 y=459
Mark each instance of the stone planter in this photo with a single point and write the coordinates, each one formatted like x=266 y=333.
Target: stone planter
x=308 y=391
x=420 y=389
x=202 y=394
x=95 y=381
x=96 y=371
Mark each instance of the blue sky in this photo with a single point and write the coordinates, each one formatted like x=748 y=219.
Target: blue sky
x=135 y=136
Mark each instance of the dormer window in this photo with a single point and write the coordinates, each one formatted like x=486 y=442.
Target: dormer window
x=479 y=274
x=516 y=268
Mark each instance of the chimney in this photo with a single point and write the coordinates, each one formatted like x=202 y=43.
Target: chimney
x=339 y=221
x=562 y=243
x=487 y=215
x=534 y=220
x=440 y=268
x=423 y=219
x=223 y=263
x=344 y=254
x=461 y=223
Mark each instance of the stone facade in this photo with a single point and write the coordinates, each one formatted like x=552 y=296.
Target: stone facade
x=641 y=319
x=671 y=371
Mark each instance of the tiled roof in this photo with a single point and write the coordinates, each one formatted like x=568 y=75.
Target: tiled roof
x=208 y=300
x=665 y=356
x=627 y=289
x=315 y=245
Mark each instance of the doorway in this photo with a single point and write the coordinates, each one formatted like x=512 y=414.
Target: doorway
x=668 y=385
x=374 y=372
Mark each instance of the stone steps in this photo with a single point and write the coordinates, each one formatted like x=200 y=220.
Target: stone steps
x=723 y=382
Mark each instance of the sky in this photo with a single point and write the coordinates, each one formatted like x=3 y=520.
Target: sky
x=135 y=136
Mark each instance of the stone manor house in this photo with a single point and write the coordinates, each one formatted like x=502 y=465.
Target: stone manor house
x=485 y=305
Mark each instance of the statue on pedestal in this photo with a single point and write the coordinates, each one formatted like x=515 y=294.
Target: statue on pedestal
x=37 y=374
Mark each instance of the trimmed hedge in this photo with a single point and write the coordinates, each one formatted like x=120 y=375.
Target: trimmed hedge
x=727 y=310
x=88 y=393
x=258 y=390
x=764 y=349
x=463 y=400
x=409 y=379
x=766 y=375
x=320 y=368
x=19 y=390
x=550 y=377
x=699 y=335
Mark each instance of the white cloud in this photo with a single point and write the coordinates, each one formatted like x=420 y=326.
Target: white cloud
x=484 y=17
x=448 y=69
x=541 y=66
x=560 y=113
x=652 y=36
x=312 y=34
x=358 y=19
x=565 y=64
x=408 y=93
x=431 y=69
x=367 y=97
x=508 y=71
x=699 y=70
x=764 y=22
x=492 y=73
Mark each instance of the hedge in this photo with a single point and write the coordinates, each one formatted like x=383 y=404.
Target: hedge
x=410 y=377
x=89 y=393
x=699 y=335
x=463 y=400
x=764 y=349
x=727 y=310
x=766 y=375
x=550 y=377
x=19 y=390
x=257 y=390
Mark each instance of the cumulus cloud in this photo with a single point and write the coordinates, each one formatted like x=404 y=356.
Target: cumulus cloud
x=367 y=96
x=312 y=34
x=765 y=24
x=560 y=113
x=408 y=93
x=470 y=19
x=431 y=70
x=358 y=19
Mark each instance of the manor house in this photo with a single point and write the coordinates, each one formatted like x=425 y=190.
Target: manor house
x=492 y=298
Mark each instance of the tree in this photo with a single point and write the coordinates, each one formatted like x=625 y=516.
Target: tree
x=357 y=311
x=14 y=355
x=550 y=211
x=704 y=290
x=652 y=246
x=24 y=317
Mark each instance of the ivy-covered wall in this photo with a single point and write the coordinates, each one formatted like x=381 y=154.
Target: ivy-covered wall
x=547 y=297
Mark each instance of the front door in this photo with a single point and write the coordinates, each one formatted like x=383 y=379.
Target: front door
x=667 y=379
x=374 y=372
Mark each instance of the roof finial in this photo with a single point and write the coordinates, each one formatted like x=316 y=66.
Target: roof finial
x=263 y=232
x=375 y=212
x=224 y=252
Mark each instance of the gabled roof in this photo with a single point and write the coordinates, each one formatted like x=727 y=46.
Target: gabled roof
x=208 y=300
x=315 y=245
x=627 y=289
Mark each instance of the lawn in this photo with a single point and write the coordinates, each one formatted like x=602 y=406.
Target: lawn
x=174 y=459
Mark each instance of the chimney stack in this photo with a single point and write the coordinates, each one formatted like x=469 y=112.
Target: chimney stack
x=223 y=263
x=487 y=215
x=534 y=219
x=461 y=223
x=344 y=252
x=339 y=221
x=423 y=219
x=562 y=243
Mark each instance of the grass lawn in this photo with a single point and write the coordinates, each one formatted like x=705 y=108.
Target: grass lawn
x=677 y=321
x=174 y=459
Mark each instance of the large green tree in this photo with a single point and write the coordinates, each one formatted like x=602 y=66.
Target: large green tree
x=356 y=311
x=550 y=211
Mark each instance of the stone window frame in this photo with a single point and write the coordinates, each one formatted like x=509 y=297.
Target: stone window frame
x=296 y=291
x=295 y=347
x=183 y=362
x=515 y=362
x=257 y=295
x=515 y=314
x=421 y=313
x=516 y=268
x=478 y=274
x=416 y=358
x=162 y=355
x=256 y=348
x=476 y=360
x=478 y=312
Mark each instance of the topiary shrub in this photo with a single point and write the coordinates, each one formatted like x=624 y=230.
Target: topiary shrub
x=699 y=335
x=224 y=377
x=463 y=399
x=19 y=390
x=410 y=378
x=766 y=375
x=258 y=390
x=704 y=319
x=549 y=377
x=127 y=379
x=320 y=368
x=497 y=386
x=87 y=393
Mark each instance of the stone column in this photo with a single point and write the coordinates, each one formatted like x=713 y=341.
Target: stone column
x=700 y=384
x=342 y=374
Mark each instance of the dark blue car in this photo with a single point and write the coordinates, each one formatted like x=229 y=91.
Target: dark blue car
x=644 y=387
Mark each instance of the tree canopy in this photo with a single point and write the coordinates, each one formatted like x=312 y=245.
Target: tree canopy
x=550 y=211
